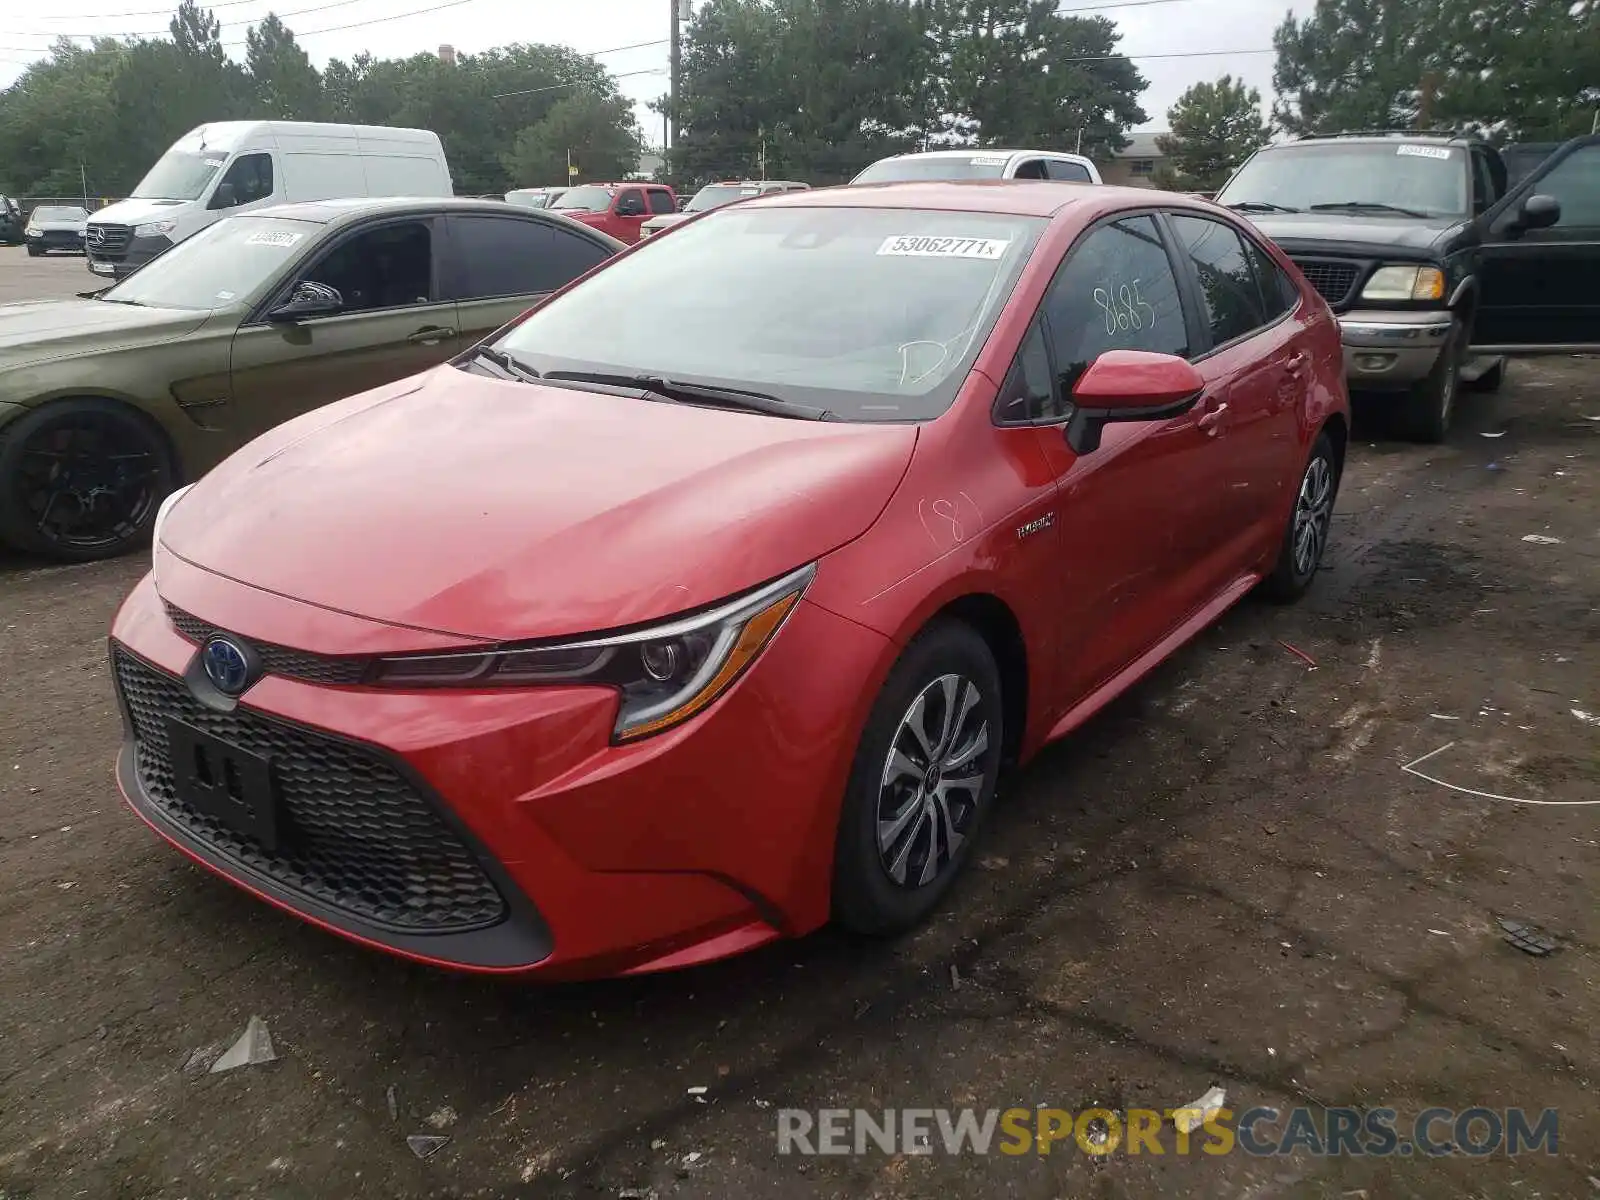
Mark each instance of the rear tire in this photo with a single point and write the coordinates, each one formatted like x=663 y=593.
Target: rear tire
x=922 y=784
x=1305 y=539
x=80 y=480
x=1431 y=403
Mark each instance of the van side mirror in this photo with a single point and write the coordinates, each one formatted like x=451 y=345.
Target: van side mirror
x=1130 y=385
x=224 y=197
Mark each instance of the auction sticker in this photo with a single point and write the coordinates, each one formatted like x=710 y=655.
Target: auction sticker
x=1424 y=151
x=990 y=160
x=272 y=237
x=917 y=246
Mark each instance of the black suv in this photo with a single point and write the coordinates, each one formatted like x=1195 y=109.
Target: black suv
x=1436 y=258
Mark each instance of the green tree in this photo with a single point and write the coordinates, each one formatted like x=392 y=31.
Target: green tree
x=598 y=131
x=286 y=85
x=1214 y=127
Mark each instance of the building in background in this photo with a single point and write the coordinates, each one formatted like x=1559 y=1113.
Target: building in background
x=650 y=161
x=1135 y=164
x=447 y=55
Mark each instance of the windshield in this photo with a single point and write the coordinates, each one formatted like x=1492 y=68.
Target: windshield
x=872 y=314
x=56 y=213
x=179 y=175
x=717 y=195
x=935 y=166
x=588 y=199
x=1425 y=179
x=223 y=265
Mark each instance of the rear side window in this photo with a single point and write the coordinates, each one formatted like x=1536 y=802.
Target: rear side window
x=1116 y=291
x=661 y=202
x=1227 y=284
x=504 y=256
x=1278 y=292
x=1069 y=172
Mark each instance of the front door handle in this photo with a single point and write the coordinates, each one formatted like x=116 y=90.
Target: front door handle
x=1209 y=421
x=431 y=335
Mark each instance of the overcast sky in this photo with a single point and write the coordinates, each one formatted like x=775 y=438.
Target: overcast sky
x=1163 y=27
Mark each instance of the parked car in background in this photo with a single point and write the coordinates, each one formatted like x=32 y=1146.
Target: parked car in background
x=107 y=404
x=715 y=195
x=238 y=166
x=55 y=227
x=534 y=197
x=619 y=209
x=1435 y=262
x=11 y=222
x=622 y=645
x=980 y=164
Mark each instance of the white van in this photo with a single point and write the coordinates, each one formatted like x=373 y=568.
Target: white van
x=235 y=166
x=981 y=164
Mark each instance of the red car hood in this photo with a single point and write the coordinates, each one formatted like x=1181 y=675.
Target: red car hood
x=504 y=511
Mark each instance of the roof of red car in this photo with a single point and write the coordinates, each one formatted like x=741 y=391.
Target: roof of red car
x=1013 y=197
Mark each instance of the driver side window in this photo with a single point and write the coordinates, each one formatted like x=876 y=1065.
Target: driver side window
x=387 y=267
x=631 y=203
x=250 y=177
x=1032 y=169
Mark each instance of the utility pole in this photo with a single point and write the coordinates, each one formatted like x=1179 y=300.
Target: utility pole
x=682 y=10
x=83 y=182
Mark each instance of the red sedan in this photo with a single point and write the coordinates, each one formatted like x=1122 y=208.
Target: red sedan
x=617 y=645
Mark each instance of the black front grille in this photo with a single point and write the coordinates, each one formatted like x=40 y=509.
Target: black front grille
x=355 y=834
x=108 y=241
x=332 y=670
x=1333 y=280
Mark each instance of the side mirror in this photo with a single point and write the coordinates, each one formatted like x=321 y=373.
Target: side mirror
x=1538 y=211
x=1129 y=385
x=309 y=299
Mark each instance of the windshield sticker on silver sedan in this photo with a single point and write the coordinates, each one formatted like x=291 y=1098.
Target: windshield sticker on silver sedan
x=944 y=247
x=989 y=160
x=1424 y=151
x=272 y=237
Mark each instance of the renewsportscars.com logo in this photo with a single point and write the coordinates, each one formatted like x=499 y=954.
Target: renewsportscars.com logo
x=1262 y=1132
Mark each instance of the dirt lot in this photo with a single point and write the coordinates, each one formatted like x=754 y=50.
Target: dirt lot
x=1227 y=879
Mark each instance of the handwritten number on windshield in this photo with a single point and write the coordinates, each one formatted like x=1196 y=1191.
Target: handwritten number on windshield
x=1124 y=308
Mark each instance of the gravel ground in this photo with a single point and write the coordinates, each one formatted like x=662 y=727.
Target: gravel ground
x=1226 y=879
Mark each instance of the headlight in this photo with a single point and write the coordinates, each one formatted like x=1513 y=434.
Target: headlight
x=665 y=674
x=161 y=515
x=1405 y=283
x=155 y=228
x=32 y=231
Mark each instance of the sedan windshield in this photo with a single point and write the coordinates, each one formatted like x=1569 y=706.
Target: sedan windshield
x=585 y=199
x=717 y=195
x=935 y=166
x=868 y=314
x=179 y=175
x=224 y=265
x=1402 y=178
x=47 y=212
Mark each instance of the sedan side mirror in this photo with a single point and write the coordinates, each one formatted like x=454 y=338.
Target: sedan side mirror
x=1130 y=385
x=309 y=299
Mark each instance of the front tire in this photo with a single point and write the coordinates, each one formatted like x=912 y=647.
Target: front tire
x=80 y=480
x=1305 y=540
x=35 y=251
x=922 y=784
x=1431 y=403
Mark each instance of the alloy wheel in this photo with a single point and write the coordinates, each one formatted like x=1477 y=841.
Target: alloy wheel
x=87 y=481
x=932 y=781
x=1313 y=512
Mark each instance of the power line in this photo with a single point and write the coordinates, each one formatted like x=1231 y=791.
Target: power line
x=140 y=33
x=556 y=86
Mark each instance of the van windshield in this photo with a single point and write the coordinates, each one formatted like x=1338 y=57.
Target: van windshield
x=179 y=175
x=222 y=266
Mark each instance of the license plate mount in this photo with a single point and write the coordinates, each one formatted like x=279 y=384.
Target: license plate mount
x=101 y=268
x=221 y=780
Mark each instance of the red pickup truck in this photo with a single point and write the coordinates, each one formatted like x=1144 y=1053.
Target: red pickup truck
x=616 y=208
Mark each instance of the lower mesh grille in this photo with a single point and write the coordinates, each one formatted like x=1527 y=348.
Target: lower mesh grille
x=357 y=836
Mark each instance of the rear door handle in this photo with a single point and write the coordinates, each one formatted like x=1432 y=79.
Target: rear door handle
x=431 y=335
x=1209 y=421
x=1297 y=364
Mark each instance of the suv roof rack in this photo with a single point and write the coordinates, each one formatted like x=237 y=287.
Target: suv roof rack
x=1451 y=134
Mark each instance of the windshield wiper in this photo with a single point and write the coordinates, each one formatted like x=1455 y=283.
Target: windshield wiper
x=1260 y=206
x=1367 y=206
x=698 y=393
x=507 y=365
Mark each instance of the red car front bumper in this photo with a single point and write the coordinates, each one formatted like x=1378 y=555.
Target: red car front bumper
x=499 y=830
